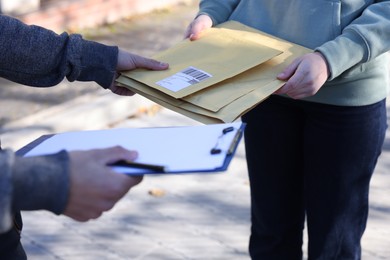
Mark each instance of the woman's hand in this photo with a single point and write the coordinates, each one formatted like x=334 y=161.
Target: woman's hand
x=201 y=23
x=304 y=76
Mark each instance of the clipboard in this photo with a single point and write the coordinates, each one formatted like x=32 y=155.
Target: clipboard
x=179 y=150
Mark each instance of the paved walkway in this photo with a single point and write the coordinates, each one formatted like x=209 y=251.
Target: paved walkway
x=182 y=217
x=165 y=217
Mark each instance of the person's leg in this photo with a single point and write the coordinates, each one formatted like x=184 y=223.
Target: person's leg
x=273 y=141
x=10 y=245
x=342 y=145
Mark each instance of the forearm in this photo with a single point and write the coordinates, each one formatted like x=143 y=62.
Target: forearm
x=6 y=189
x=32 y=183
x=41 y=182
x=366 y=38
x=35 y=56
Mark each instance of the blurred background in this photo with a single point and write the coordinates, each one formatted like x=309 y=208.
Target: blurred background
x=165 y=217
x=139 y=26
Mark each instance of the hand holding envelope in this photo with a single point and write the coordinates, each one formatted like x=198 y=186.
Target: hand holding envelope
x=218 y=77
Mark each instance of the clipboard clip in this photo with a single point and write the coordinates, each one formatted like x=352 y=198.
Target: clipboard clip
x=217 y=150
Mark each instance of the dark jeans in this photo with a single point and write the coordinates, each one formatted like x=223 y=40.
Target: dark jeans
x=10 y=246
x=313 y=160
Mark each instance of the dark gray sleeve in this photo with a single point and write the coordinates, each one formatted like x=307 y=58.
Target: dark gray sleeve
x=6 y=188
x=35 y=56
x=32 y=183
x=41 y=182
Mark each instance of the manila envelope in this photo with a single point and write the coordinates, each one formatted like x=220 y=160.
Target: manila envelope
x=219 y=54
x=229 y=99
x=228 y=113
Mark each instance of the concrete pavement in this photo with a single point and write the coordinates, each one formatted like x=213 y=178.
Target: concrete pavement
x=165 y=217
x=181 y=217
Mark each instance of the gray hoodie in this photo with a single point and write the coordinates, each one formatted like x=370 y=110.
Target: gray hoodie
x=38 y=57
x=353 y=35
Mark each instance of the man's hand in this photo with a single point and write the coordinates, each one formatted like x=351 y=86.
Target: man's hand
x=94 y=186
x=128 y=61
x=305 y=76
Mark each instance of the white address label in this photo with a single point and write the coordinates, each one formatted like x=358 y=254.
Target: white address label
x=183 y=79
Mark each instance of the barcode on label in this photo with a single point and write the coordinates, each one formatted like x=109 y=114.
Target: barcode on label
x=197 y=75
x=183 y=79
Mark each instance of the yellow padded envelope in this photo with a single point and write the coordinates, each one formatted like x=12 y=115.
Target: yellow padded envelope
x=219 y=54
x=226 y=100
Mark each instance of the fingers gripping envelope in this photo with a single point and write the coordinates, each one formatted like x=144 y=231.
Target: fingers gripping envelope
x=219 y=77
